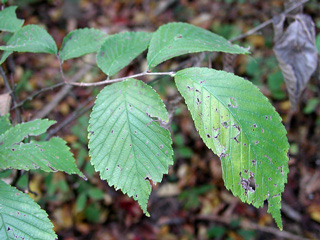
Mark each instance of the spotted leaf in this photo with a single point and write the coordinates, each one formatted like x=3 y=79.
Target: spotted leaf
x=127 y=145
x=241 y=126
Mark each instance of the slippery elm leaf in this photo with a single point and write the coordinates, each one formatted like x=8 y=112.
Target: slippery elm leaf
x=21 y=217
x=120 y=49
x=175 y=39
x=30 y=38
x=21 y=131
x=80 y=42
x=50 y=156
x=9 y=21
x=127 y=145
x=240 y=125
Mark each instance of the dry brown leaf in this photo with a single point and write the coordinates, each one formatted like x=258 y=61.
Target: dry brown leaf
x=5 y=101
x=296 y=52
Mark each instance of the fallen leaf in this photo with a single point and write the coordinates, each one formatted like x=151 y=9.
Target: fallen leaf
x=296 y=52
x=5 y=100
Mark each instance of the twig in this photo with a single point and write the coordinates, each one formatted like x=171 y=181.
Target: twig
x=253 y=226
x=107 y=81
x=266 y=23
x=62 y=93
x=290 y=212
x=81 y=109
x=37 y=93
x=60 y=67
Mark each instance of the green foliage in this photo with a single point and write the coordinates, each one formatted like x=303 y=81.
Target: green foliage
x=175 y=39
x=9 y=21
x=21 y=217
x=4 y=124
x=49 y=156
x=80 y=42
x=190 y=197
x=120 y=49
x=21 y=131
x=216 y=232
x=243 y=129
x=30 y=38
x=311 y=105
x=275 y=81
x=318 y=42
x=127 y=145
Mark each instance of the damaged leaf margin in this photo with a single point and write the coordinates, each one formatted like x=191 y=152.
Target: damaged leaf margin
x=241 y=126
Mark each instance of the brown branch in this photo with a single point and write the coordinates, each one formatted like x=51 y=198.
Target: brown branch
x=62 y=93
x=37 y=93
x=266 y=23
x=81 y=109
x=108 y=81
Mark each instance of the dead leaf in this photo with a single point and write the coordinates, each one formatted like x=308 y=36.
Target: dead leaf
x=5 y=100
x=296 y=52
x=229 y=61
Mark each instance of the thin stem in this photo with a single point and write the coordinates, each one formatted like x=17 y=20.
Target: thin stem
x=60 y=67
x=107 y=81
x=81 y=109
x=37 y=93
x=266 y=23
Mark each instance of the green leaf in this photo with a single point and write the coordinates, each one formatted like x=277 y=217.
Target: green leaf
x=318 y=42
x=21 y=131
x=80 y=42
x=9 y=21
x=95 y=193
x=49 y=156
x=175 y=39
x=4 y=56
x=81 y=202
x=239 y=124
x=120 y=49
x=21 y=217
x=30 y=38
x=4 y=123
x=127 y=144
x=275 y=81
x=311 y=105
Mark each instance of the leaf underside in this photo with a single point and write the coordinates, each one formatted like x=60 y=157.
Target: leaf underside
x=80 y=42
x=49 y=156
x=21 y=217
x=127 y=144
x=240 y=125
x=120 y=49
x=23 y=130
x=175 y=39
x=30 y=38
x=9 y=21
